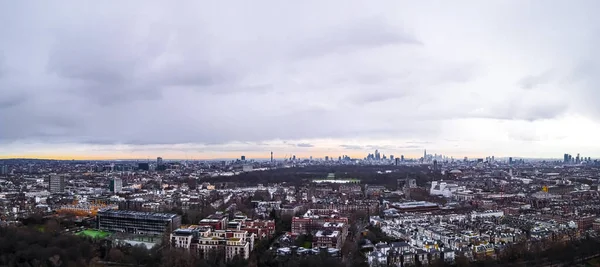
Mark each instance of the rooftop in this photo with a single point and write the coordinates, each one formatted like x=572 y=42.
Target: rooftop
x=129 y=213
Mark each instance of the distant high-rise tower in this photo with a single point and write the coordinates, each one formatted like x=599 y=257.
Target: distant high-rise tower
x=271 y=156
x=143 y=166
x=56 y=184
x=116 y=185
x=510 y=161
x=402 y=158
x=435 y=165
x=243 y=158
x=159 y=161
x=3 y=170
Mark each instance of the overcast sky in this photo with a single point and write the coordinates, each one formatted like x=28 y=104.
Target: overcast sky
x=210 y=79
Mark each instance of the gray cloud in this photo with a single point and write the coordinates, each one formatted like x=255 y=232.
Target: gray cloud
x=214 y=74
x=304 y=145
x=531 y=81
x=352 y=147
x=362 y=34
x=8 y=101
x=2 y=67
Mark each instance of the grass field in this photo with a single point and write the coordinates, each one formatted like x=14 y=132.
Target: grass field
x=93 y=233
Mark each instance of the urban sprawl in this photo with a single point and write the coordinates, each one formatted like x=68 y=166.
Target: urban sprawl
x=390 y=211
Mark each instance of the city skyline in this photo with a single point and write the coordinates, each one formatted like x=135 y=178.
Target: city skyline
x=384 y=155
x=198 y=80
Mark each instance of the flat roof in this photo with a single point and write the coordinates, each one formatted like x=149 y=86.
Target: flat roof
x=130 y=213
x=415 y=204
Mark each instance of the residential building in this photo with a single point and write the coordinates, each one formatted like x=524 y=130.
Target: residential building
x=56 y=184
x=204 y=240
x=260 y=228
x=217 y=221
x=327 y=239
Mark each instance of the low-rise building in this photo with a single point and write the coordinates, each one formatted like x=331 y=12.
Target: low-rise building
x=204 y=240
x=327 y=239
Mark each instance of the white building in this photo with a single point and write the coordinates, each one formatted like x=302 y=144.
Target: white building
x=444 y=189
x=487 y=214
x=116 y=185
x=204 y=240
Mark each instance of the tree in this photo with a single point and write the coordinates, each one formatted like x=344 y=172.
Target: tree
x=115 y=255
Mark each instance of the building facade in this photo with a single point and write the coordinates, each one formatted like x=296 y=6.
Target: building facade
x=204 y=241
x=116 y=185
x=135 y=222
x=56 y=184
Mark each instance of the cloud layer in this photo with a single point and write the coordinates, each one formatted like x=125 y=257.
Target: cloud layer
x=205 y=78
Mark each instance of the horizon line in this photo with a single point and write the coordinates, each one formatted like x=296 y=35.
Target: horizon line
x=236 y=158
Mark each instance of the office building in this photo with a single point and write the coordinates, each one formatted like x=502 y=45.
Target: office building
x=160 y=165
x=56 y=184
x=243 y=158
x=116 y=185
x=144 y=166
x=135 y=222
x=3 y=170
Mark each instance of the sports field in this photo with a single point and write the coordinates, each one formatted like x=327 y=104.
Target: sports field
x=93 y=233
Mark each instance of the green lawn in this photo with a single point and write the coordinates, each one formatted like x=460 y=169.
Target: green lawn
x=93 y=233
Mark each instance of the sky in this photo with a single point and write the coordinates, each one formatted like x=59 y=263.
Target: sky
x=219 y=79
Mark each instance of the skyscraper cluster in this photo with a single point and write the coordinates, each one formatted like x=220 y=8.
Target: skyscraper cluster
x=569 y=159
x=377 y=156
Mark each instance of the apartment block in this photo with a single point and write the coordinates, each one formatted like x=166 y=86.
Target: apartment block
x=204 y=240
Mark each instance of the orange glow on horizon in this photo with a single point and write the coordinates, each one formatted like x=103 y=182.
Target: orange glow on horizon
x=212 y=156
